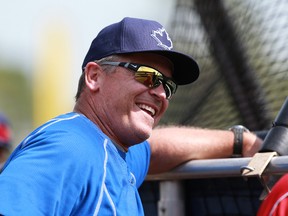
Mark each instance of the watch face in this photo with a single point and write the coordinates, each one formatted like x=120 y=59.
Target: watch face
x=239 y=127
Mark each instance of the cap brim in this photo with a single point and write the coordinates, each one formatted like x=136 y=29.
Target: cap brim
x=186 y=69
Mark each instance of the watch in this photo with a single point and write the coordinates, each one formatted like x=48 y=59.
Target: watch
x=238 y=139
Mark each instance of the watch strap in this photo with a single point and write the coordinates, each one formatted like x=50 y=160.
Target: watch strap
x=238 y=131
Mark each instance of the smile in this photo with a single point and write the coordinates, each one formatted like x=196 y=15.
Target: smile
x=147 y=109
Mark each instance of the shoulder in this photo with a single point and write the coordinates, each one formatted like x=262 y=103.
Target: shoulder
x=72 y=134
x=277 y=200
x=142 y=150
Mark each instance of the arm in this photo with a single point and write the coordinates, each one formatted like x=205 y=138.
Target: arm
x=172 y=146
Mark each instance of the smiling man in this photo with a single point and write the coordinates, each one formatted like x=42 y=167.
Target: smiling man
x=93 y=160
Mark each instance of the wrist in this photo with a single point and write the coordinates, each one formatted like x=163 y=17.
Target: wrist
x=238 y=131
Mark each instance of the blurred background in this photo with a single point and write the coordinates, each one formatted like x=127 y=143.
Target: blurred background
x=42 y=46
x=241 y=47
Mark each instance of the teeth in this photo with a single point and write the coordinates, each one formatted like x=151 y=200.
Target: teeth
x=147 y=108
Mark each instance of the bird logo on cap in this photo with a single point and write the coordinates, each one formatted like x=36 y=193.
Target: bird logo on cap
x=162 y=38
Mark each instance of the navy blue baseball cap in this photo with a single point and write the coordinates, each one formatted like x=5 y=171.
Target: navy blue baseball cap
x=134 y=35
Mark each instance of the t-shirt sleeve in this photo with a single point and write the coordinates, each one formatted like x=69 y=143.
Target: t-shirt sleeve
x=138 y=159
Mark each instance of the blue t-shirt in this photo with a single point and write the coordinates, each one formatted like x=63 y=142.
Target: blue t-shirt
x=69 y=167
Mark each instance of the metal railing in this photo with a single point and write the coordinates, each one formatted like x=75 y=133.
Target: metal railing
x=227 y=167
x=171 y=198
x=275 y=141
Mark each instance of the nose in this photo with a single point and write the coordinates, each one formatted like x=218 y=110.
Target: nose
x=159 y=91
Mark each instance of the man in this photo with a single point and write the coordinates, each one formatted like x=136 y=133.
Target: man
x=5 y=139
x=91 y=161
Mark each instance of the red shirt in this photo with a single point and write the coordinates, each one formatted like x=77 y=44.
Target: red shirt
x=276 y=203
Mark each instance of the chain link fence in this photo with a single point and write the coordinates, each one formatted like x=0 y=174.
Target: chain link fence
x=241 y=47
x=242 y=50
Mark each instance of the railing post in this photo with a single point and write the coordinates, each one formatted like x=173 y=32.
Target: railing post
x=171 y=201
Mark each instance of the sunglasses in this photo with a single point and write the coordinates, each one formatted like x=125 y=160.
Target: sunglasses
x=148 y=76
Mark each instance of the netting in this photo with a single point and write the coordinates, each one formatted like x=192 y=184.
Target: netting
x=241 y=48
x=225 y=36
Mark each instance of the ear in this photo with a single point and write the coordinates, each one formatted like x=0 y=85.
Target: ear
x=93 y=73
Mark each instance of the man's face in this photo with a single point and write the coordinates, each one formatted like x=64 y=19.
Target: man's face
x=127 y=108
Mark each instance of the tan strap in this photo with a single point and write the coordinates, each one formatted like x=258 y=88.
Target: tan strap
x=256 y=167
x=257 y=164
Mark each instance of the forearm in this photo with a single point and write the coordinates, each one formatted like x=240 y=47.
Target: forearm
x=172 y=146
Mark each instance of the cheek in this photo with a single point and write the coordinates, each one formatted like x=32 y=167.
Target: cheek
x=116 y=97
x=165 y=105
x=119 y=83
x=113 y=87
x=162 y=111
x=125 y=89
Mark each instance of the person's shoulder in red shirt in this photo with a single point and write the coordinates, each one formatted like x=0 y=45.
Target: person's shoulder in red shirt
x=276 y=203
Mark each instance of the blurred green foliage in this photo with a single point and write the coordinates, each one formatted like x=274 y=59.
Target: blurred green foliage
x=16 y=101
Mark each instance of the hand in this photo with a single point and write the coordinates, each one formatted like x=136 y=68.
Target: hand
x=251 y=144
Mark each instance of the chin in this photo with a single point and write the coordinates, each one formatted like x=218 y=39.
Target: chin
x=143 y=133
x=142 y=127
